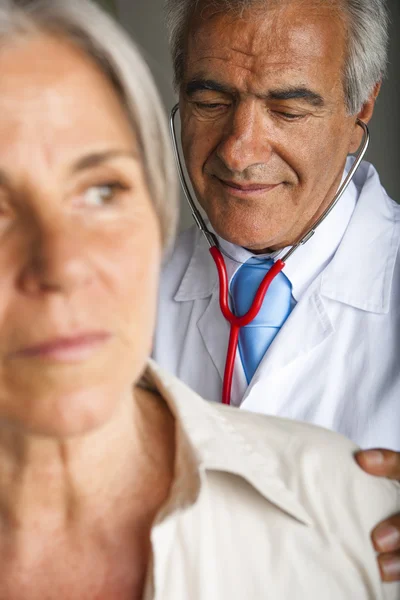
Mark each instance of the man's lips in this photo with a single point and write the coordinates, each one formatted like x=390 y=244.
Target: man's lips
x=247 y=189
x=74 y=348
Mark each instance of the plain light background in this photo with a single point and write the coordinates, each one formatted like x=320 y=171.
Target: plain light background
x=144 y=21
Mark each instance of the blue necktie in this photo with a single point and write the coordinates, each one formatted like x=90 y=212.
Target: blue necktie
x=255 y=338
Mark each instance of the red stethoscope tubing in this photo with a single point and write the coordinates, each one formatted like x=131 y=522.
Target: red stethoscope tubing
x=237 y=322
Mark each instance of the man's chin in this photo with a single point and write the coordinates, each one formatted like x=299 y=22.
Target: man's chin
x=252 y=240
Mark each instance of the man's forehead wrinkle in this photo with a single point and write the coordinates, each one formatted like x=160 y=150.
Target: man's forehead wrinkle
x=248 y=53
x=228 y=60
x=263 y=43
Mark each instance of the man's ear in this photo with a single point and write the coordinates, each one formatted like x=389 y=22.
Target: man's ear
x=364 y=115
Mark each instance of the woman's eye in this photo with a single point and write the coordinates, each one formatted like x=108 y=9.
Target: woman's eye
x=101 y=195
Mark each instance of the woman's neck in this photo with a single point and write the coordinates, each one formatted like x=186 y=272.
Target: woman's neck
x=65 y=485
x=76 y=515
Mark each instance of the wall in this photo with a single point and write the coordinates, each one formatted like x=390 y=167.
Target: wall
x=108 y=5
x=144 y=20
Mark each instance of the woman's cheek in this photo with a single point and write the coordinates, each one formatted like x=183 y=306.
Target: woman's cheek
x=137 y=264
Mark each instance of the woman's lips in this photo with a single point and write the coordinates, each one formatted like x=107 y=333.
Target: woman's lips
x=65 y=349
x=250 y=190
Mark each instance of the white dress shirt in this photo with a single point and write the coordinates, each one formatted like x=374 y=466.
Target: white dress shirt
x=335 y=361
x=263 y=507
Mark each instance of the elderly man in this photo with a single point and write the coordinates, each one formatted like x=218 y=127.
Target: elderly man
x=270 y=92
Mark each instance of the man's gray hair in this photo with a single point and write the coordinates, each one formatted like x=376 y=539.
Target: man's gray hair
x=87 y=26
x=367 y=22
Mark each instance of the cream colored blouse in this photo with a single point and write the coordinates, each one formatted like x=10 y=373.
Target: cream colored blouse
x=264 y=508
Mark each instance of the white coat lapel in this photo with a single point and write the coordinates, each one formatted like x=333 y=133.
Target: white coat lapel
x=214 y=330
x=200 y=281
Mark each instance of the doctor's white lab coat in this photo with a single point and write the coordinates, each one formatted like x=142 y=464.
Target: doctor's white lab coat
x=336 y=360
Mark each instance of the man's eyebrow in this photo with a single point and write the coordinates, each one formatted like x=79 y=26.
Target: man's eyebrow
x=296 y=93
x=200 y=85
x=287 y=93
x=97 y=158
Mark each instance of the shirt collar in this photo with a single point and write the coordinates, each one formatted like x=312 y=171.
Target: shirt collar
x=304 y=266
x=210 y=438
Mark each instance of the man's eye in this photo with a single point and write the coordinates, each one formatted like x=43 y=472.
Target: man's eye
x=290 y=116
x=101 y=195
x=209 y=105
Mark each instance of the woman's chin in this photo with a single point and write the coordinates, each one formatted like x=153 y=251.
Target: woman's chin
x=58 y=399
x=63 y=413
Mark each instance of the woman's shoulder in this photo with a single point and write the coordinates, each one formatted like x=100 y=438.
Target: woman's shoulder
x=270 y=452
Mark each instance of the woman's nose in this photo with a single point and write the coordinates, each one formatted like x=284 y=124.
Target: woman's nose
x=246 y=139
x=56 y=261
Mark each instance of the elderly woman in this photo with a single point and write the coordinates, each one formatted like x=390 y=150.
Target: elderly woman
x=116 y=481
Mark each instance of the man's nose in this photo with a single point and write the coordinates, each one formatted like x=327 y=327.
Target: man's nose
x=56 y=261
x=246 y=141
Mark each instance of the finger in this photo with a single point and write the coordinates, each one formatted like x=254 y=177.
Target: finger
x=389 y=566
x=386 y=535
x=385 y=463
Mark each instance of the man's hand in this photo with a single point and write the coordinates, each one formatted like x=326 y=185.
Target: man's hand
x=386 y=535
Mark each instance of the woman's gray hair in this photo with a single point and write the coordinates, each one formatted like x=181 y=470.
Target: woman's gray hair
x=105 y=42
x=367 y=23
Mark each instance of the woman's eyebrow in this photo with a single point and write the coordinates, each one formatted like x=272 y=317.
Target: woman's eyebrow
x=86 y=162
x=97 y=158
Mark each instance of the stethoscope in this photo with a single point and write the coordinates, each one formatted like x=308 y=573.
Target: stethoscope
x=237 y=322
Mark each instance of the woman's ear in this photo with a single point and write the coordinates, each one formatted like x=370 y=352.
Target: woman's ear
x=364 y=115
